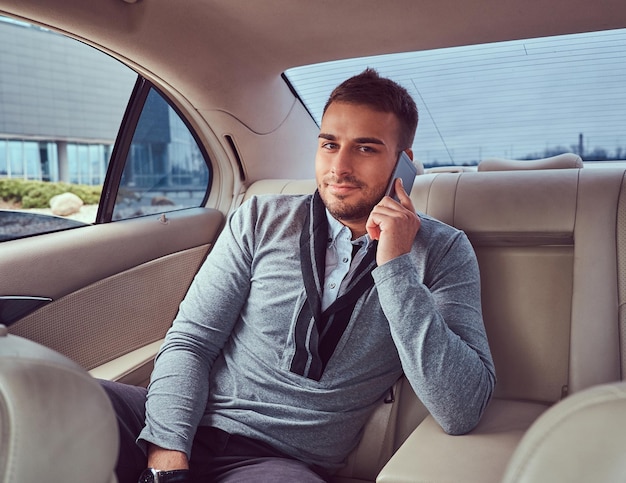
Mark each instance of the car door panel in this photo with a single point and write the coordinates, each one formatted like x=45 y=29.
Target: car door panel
x=115 y=287
x=102 y=294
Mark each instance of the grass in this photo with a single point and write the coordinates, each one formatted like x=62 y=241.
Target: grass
x=37 y=194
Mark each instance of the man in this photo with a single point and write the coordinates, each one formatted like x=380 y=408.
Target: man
x=306 y=312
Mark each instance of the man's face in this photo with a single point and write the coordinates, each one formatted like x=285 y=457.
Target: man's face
x=356 y=152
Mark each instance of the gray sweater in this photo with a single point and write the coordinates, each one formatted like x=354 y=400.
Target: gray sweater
x=228 y=359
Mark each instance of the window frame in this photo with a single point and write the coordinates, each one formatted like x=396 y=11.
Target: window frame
x=123 y=143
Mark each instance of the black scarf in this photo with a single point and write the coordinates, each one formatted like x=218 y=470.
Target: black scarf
x=317 y=333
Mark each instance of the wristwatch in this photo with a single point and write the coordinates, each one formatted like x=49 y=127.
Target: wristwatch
x=150 y=475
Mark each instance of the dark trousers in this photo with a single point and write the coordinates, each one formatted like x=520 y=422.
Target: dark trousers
x=216 y=456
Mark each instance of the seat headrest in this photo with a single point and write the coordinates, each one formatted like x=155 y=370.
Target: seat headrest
x=56 y=422
x=419 y=166
x=580 y=439
x=561 y=161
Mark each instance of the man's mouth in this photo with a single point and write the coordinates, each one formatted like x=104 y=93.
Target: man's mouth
x=342 y=187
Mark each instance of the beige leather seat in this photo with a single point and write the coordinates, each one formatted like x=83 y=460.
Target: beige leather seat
x=581 y=439
x=548 y=245
x=56 y=422
x=561 y=161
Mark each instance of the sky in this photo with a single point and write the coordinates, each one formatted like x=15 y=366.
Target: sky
x=508 y=100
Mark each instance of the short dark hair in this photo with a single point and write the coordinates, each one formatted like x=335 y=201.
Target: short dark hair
x=382 y=94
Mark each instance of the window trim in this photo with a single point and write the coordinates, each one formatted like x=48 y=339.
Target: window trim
x=121 y=149
x=123 y=143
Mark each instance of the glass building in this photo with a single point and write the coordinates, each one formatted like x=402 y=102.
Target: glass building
x=60 y=106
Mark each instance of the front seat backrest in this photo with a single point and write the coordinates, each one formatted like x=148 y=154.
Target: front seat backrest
x=580 y=439
x=56 y=422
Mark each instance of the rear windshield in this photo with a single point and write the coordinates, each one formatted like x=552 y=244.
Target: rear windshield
x=524 y=99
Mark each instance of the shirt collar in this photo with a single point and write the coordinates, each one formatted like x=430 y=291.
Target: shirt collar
x=335 y=228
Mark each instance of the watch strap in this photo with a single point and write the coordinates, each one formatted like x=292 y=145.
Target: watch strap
x=150 y=475
x=174 y=476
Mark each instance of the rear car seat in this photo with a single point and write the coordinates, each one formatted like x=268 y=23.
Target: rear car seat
x=547 y=244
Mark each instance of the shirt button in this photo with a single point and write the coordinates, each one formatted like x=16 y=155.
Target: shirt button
x=332 y=285
x=345 y=260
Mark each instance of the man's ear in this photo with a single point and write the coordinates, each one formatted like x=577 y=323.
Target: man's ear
x=409 y=153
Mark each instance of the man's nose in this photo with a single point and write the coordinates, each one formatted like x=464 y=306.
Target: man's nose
x=342 y=162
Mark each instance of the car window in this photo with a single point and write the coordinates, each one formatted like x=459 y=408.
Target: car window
x=523 y=99
x=62 y=107
x=165 y=168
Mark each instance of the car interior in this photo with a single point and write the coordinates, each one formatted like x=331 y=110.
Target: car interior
x=94 y=301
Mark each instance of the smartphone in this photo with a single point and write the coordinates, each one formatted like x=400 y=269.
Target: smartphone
x=404 y=169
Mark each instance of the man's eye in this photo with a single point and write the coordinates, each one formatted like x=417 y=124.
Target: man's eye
x=329 y=146
x=367 y=149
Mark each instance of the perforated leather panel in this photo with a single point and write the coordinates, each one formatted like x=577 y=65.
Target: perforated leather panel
x=117 y=314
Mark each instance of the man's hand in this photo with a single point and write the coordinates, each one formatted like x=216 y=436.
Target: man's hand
x=394 y=225
x=166 y=459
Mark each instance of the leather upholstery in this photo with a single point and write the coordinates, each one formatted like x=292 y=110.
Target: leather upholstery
x=549 y=302
x=56 y=423
x=578 y=440
x=481 y=456
x=561 y=161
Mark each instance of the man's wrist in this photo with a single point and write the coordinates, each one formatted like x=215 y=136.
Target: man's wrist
x=166 y=459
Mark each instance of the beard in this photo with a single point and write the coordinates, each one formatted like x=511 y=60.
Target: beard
x=341 y=207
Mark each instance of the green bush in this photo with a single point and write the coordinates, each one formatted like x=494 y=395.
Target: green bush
x=12 y=189
x=37 y=194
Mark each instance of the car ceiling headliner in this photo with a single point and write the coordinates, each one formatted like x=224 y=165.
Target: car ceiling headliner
x=227 y=55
